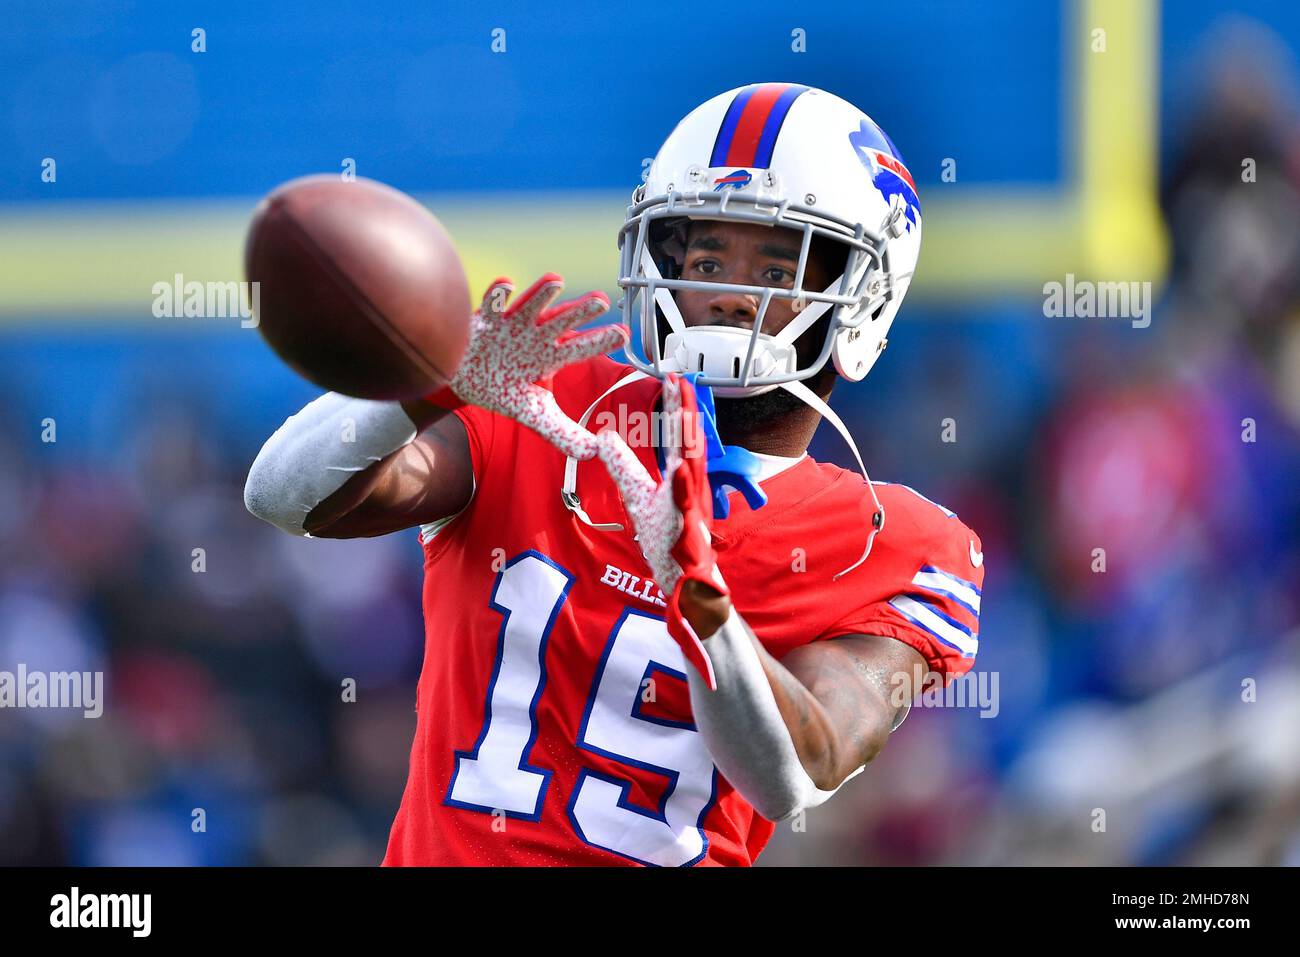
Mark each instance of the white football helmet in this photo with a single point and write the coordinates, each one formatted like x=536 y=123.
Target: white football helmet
x=785 y=155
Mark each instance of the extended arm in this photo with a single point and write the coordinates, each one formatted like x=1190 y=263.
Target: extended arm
x=343 y=467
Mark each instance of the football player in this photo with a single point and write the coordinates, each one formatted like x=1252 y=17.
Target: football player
x=648 y=642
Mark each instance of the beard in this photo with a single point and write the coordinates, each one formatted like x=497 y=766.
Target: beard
x=737 y=418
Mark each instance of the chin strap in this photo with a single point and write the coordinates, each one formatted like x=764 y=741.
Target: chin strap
x=808 y=396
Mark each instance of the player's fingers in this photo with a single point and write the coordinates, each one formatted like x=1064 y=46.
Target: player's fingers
x=570 y=315
x=496 y=297
x=672 y=456
x=672 y=394
x=530 y=303
x=672 y=422
x=596 y=342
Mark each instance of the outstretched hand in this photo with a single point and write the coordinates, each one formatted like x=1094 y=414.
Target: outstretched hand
x=513 y=350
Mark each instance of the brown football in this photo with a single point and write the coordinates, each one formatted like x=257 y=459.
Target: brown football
x=360 y=288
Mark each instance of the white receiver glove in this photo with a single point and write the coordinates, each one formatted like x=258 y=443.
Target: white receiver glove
x=513 y=351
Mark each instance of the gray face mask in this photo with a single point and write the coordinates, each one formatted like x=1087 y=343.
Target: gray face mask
x=653 y=250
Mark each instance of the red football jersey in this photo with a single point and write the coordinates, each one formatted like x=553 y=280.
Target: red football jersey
x=554 y=722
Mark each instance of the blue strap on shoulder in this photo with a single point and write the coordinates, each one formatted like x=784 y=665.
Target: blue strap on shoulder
x=728 y=465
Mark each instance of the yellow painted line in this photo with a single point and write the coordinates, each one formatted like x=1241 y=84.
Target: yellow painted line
x=107 y=256
x=993 y=243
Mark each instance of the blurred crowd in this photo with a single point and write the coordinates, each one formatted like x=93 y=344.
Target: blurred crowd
x=1149 y=708
x=227 y=737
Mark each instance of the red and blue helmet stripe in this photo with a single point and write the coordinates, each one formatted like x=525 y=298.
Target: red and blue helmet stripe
x=749 y=129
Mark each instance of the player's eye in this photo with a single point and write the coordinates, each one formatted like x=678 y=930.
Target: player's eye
x=779 y=275
x=707 y=266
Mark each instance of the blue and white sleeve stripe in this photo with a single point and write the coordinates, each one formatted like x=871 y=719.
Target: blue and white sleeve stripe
x=929 y=616
x=930 y=619
x=959 y=590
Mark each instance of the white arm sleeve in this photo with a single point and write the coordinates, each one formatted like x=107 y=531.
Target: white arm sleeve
x=315 y=452
x=744 y=730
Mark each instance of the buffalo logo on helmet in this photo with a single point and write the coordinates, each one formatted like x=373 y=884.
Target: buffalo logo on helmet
x=737 y=180
x=888 y=174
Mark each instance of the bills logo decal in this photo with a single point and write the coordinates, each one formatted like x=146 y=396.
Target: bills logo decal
x=888 y=174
